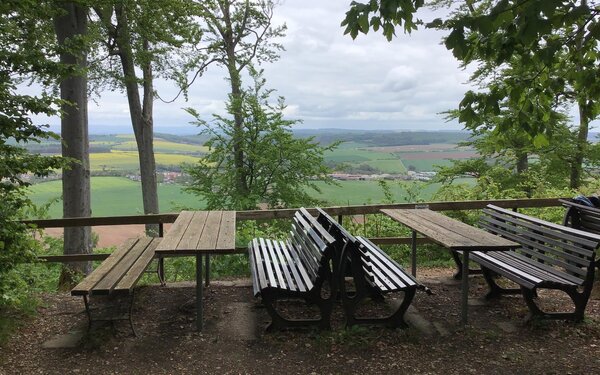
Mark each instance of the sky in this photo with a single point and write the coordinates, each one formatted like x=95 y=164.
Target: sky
x=327 y=79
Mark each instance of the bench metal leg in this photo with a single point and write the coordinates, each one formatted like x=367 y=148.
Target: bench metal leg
x=207 y=270
x=199 y=292
x=465 y=289
x=161 y=271
x=579 y=300
x=414 y=253
x=131 y=313
x=87 y=311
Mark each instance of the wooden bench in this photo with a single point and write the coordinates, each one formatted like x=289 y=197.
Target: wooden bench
x=581 y=217
x=374 y=274
x=297 y=268
x=116 y=278
x=552 y=256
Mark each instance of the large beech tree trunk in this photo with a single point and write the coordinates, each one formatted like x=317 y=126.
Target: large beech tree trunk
x=141 y=114
x=74 y=131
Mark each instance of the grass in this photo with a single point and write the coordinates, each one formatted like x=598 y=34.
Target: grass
x=384 y=161
x=369 y=192
x=128 y=160
x=162 y=146
x=426 y=165
x=115 y=196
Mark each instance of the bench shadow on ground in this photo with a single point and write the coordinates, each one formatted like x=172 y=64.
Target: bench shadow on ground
x=234 y=341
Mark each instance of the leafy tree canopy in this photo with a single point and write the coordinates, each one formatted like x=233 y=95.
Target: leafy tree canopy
x=556 y=42
x=279 y=169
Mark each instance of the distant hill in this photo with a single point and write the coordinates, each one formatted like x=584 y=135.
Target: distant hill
x=383 y=138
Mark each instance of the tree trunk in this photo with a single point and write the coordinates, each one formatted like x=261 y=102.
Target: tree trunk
x=522 y=162
x=141 y=117
x=235 y=80
x=582 y=135
x=74 y=131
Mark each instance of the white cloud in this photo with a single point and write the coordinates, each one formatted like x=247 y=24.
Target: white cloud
x=328 y=79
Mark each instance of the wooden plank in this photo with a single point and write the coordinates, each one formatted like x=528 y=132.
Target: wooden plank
x=117 y=271
x=208 y=241
x=253 y=270
x=193 y=232
x=375 y=208
x=437 y=227
x=268 y=263
x=392 y=265
x=226 y=240
x=276 y=264
x=561 y=228
x=137 y=269
x=297 y=263
x=86 y=285
x=284 y=266
x=173 y=236
x=260 y=263
x=315 y=224
x=293 y=267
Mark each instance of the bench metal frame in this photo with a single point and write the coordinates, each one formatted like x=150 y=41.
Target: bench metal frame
x=298 y=268
x=374 y=275
x=552 y=256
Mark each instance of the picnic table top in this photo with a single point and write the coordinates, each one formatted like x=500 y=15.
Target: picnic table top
x=200 y=232
x=448 y=232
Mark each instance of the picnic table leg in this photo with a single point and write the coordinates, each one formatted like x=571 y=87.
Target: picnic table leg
x=465 y=288
x=207 y=271
x=414 y=253
x=199 y=292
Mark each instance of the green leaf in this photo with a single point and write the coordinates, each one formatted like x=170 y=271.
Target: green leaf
x=363 y=23
x=540 y=140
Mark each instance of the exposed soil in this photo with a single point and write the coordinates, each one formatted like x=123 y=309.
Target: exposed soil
x=496 y=341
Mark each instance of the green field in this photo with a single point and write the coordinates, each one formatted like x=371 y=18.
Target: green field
x=425 y=165
x=114 y=196
x=369 y=192
x=384 y=161
x=161 y=146
x=128 y=160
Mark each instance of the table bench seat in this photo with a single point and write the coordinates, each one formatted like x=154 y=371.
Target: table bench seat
x=118 y=274
x=297 y=268
x=551 y=256
x=373 y=273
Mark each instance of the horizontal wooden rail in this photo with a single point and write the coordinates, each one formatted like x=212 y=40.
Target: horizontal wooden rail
x=103 y=220
x=374 y=208
x=289 y=212
x=283 y=214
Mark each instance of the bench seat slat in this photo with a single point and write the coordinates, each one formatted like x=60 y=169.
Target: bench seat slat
x=118 y=271
x=276 y=264
x=291 y=284
x=127 y=283
x=268 y=263
x=543 y=270
x=390 y=274
x=87 y=284
x=293 y=266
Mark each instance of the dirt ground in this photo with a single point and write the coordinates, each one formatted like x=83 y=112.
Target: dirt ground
x=496 y=341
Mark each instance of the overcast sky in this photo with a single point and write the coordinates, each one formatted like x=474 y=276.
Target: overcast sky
x=328 y=79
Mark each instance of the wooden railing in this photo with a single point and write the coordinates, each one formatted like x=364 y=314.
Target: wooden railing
x=338 y=211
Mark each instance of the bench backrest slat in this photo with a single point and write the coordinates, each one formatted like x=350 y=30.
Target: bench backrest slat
x=581 y=217
x=538 y=247
x=554 y=246
x=388 y=265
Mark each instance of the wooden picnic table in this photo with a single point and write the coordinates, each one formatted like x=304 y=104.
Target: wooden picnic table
x=199 y=233
x=452 y=234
